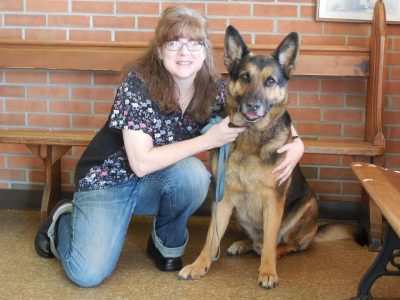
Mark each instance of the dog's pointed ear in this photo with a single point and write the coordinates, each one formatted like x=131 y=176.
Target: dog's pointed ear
x=234 y=48
x=287 y=52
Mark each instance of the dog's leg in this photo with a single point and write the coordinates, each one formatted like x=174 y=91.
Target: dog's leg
x=202 y=264
x=272 y=216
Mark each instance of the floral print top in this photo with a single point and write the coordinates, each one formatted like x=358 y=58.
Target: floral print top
x=105 y=162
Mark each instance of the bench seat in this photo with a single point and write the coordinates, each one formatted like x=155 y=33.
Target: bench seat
x=383 y=188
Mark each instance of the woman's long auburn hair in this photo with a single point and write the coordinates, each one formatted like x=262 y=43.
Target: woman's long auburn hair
x=174 y=23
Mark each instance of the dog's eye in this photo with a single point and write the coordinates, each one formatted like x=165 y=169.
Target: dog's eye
x=245 y=78
x=270 y=81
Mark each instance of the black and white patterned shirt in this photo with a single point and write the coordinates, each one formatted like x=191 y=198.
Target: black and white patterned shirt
x=105 y=163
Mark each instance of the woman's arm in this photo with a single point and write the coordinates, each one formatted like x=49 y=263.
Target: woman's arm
x=294 y=152
x=144 y=158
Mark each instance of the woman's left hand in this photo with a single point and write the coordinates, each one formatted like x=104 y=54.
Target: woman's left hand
x=294 y=152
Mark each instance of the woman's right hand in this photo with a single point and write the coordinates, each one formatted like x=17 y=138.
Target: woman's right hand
x=221 y=134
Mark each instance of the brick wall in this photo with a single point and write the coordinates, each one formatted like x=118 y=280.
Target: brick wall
x=81 y=100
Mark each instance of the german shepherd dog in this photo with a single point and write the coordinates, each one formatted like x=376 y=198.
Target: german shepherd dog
x=278 y=219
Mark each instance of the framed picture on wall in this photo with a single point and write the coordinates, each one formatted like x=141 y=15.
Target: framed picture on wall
x=355 y=10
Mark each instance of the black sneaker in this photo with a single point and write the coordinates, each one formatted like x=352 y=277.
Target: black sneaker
x=162 y=263
x=43 y=244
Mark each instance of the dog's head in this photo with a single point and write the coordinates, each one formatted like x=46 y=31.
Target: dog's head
x=257 y=88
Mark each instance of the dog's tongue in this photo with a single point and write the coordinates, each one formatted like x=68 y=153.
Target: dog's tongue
x=251 y=115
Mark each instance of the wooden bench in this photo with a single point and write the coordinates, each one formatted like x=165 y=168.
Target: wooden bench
x=383 y=188
x=345 y=61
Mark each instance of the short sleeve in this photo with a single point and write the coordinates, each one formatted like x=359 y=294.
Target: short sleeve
x=132 y=108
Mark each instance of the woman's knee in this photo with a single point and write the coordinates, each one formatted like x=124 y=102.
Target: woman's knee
x=87 y=276
x=193 y=176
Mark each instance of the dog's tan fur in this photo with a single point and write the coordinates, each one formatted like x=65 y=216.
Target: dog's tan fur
x=278 y=219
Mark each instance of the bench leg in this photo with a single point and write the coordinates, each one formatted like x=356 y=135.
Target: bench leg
x=52 y=188
x=51 y=157
x=371 y=215
x=389 y=255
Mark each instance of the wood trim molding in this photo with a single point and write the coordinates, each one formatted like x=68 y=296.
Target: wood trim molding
x=116 y=56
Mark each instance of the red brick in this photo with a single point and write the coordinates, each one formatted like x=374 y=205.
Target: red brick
x=320 y=159
x=9 y=34
x=147 y=22
x=22 y=105
x=323 y=100
x=113 y=22
x=198 y=6
x=93 y=93
x=325 y=186
x=51 y=121
x=351 y=188
x=336 y=173
x=78 y=107
x=307 y=11
x=26 y=76
x=12 y=91
x=256 y=25
x=391 y=117
x=319 y=129
x=93 y=7
x=16 y=175
x=69 y=21
x=70 y=77
x=94 y=122
x=305 y=85
x=43 y=92
x=342 y=86
x=353 y=130
x=45 y=34
x=11 y=5
x=130 y=36
x=47 y=5
x=261 y=10
x=102 y=107
x=228 y=9
x=19 y=162
x=90 y=35
x=25 y=20
x=36 y=176
x=107 y=79
x=323 y=40
x=345 y=28
x=392 y=87
x=14 y=148
x=342 y=115
x=300 y=26
x=394 y=132
x=138 y=8
x=217 y=24
x=306 y=114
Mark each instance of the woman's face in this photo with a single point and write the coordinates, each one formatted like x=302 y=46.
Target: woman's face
x=182 y=63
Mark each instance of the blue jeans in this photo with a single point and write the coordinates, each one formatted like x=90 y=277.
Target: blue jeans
x=90 y=239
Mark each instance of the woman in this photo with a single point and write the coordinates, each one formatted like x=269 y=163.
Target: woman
x=142 y=161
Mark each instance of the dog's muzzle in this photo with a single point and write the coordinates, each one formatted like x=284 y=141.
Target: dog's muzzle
x=254 y=110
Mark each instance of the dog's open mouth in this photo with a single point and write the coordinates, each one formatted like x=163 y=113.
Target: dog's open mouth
x=252 y=116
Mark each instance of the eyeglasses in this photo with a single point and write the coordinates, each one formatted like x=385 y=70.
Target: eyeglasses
x=190 y=45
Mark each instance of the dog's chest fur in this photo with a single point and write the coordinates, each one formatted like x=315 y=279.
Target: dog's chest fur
x=249 y=170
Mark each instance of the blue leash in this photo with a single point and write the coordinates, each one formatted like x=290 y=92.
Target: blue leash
x=220 y=183
x=222 y=160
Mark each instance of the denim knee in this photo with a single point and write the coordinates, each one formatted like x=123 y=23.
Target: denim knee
x=193 y=179
x=87 y=277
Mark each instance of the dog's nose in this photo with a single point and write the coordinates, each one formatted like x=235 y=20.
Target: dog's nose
x=253 y=105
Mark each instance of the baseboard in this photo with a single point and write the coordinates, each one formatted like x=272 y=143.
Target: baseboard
x=31 y=200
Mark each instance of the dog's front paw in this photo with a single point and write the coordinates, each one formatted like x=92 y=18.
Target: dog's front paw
x=240 y=247
x=267 y=280
x=193 y=271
